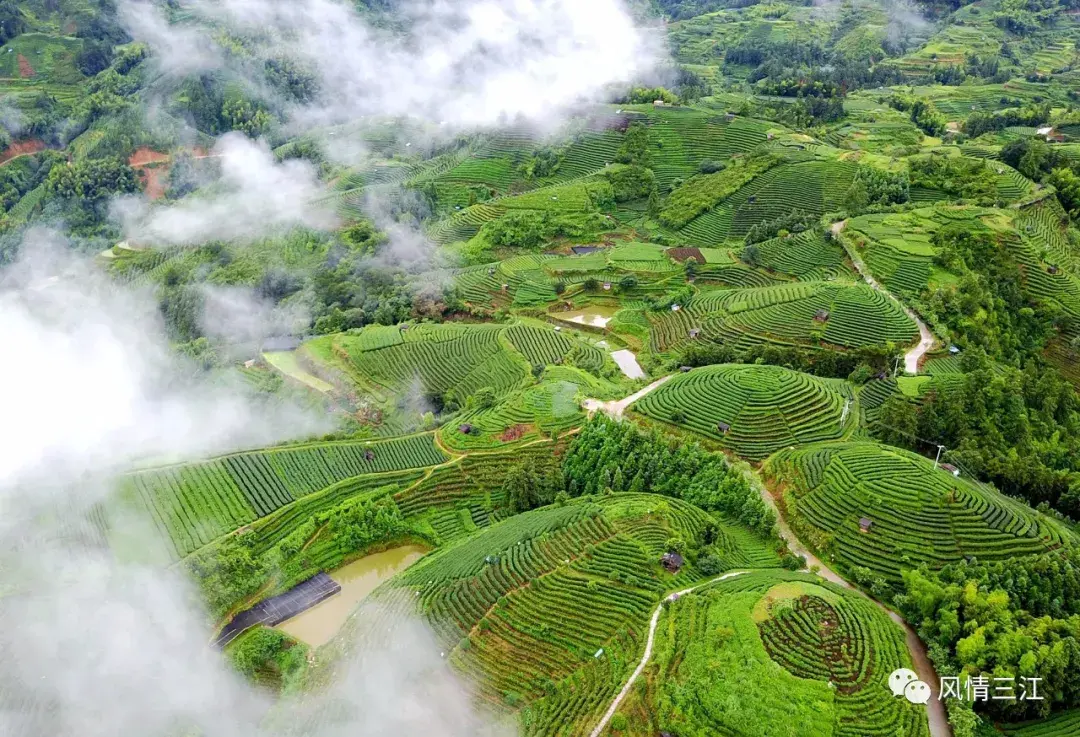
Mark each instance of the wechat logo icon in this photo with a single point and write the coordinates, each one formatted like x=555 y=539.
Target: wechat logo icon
x=904 y=682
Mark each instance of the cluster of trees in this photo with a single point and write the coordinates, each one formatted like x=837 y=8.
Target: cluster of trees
x=610 y=457
x=269 y=657
x=1012 y=619
x=19 y=176
x=648 y=95
x=801 y=87
x=795 y=221
x=1041 y=162
x=874 y=187
x=988 y=307
x=215 y=106
x=857 y=365
x=634 y=149
x=91 y=180
x=1018 y=428
x=533 y=484
x=1031 y=115
x=532 y=229
x=921 y=111
x=631 y=182
x=543 y=162
x=351 y=290
x=1028 y=16
x=959 y=176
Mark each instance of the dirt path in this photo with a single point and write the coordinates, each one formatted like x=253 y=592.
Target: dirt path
x=939 y=723
x=617 y=407
x=927 y=341
x=648 y=650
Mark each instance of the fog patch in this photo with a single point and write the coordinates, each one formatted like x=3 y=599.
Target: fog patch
x=255 y=195
x=96 y=386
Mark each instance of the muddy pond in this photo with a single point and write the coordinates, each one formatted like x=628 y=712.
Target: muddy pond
x=318 y=625
x=597 y=316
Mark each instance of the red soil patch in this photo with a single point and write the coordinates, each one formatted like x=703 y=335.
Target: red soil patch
x=146 y=155
x=513 y=433
x=25 y=70
x=152 y=177
x=19 y=148
x=153 y=181
x=683 y=254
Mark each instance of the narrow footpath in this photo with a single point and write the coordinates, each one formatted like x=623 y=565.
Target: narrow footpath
x=648 y=650
x=939 y=723
x=617 y=408
x=927 y=341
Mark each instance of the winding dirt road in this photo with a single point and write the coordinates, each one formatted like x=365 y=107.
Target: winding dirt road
x=648 y=650
x=927 y=341
x=617 y=408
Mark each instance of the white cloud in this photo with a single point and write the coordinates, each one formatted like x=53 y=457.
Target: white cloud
x=255 y=195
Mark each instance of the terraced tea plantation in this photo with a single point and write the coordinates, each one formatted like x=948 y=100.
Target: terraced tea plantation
x=548 y=610
x=194 y=504
x=846 y=315
x=437 y=358
x=813 y=187
x=752 y=410
x=799 y=656
x=886 y=509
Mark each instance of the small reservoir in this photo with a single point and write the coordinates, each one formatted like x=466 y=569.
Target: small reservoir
x=318 y=625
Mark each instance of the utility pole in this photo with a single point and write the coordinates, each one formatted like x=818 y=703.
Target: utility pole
x=896 y=367
x=847 y=406
x=939 y=449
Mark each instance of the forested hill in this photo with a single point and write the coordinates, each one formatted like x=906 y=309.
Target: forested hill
x=821 y=261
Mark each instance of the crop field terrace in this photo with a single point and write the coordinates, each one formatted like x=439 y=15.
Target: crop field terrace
x=843 y=314
x=917 y=515
x=526 y=606
x=764 y=408
x=798 y=655
x=193 y=504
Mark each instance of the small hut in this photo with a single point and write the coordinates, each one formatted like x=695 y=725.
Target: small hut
x=694 y=333
x=865 y=523
x=369 y=455
x=723 y=428
x=951 y=469
x=954 y=349
x=607 y=286
x=729 y=117
x=672 y=561
x=685 y=369
x=821 y=315
x=675 y=308
x=465 y=429
x=1051 y=269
